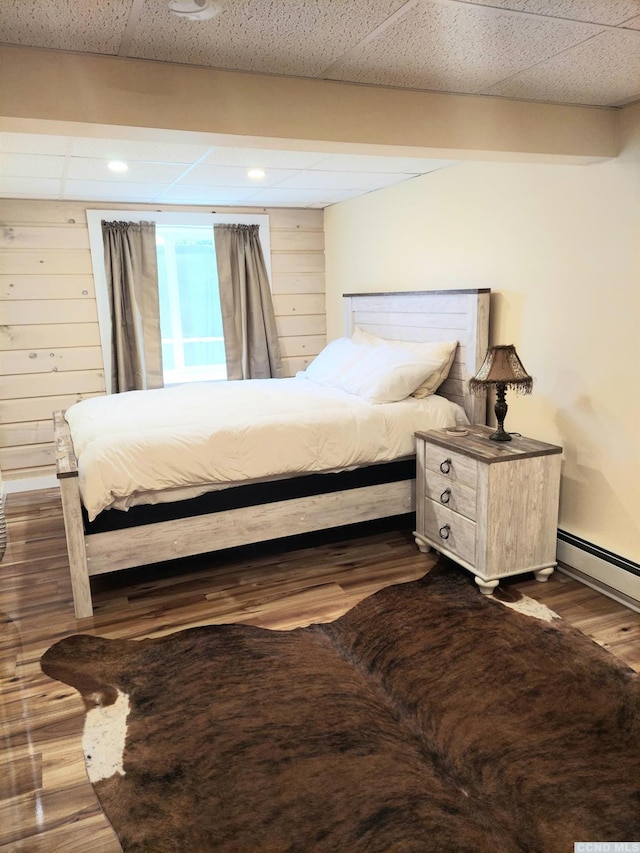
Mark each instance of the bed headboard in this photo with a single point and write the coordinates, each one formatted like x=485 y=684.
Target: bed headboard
x=432 y=315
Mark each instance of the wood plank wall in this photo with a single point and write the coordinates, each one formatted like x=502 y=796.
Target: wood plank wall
x=49 y=335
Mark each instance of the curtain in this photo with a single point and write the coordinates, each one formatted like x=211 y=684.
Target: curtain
x=131 y=268
x=248 y=321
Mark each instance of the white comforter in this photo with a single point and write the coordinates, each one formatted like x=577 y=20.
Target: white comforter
x=173 y=443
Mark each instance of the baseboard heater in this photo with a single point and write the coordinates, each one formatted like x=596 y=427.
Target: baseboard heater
x=609 y=573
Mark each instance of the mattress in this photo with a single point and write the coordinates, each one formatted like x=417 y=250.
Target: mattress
x=147 y=447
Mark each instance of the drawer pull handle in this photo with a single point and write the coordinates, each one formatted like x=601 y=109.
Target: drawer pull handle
x=445 y=466
x=444 y=531
x=445 y=497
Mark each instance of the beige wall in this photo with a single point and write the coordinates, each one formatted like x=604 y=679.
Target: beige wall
x=560 y=248
x=50 y=354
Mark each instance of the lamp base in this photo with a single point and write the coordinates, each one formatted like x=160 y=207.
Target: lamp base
x=501 y=413
x=500 y=435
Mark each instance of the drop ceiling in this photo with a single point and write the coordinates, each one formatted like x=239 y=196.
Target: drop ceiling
x=66 y=168
x=583 y=52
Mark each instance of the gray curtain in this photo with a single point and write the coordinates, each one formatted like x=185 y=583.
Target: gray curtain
x=131 y=268
x=248 y=321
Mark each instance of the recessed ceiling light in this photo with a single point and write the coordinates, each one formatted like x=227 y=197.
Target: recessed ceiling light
x=256 y=174
x=117 y=166
x=194 y=10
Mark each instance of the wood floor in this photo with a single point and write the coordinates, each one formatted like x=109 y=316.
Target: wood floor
x=46 y=802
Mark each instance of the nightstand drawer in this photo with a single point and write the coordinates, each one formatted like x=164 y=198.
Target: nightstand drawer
x=452 y=495
x=450 y=531
x=454 y=466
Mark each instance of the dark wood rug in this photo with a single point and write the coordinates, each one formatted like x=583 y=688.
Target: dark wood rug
x=426 y=719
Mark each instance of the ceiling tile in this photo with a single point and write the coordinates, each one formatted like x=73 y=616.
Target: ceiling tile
x=316 y=180
x=97 y=190
x=199 y=194
x=262 y=157
x=95 y=27
x=607 y=65
x=31 y=165
x=33 y=143
x=457 y=48
x=29 y=187
x=597 y=11
x=369 y=163
x=281 y=197
x=86 y=168
x=130 y=149
x=232 y=176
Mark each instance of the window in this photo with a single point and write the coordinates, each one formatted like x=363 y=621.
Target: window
x=190 y=318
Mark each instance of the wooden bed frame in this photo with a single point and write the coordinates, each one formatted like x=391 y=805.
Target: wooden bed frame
x=412 y=316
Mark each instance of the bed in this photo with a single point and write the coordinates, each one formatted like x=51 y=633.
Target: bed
x=266 y=487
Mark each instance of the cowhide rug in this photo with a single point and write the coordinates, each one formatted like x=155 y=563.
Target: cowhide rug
x=428 y=718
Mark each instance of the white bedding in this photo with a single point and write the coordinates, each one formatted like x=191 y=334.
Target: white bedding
x=143 y=447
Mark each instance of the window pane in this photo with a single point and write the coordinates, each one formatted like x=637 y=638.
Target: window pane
x=168 y=361
x=203 y=352
x=199 y=302
x=191 y=321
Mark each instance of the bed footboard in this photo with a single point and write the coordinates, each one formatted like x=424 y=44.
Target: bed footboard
x=67 y=473
x=93 y=554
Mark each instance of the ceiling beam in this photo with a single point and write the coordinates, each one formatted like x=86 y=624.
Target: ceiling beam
x=55 y=86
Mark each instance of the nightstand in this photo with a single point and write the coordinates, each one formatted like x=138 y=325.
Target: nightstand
x=490 y=506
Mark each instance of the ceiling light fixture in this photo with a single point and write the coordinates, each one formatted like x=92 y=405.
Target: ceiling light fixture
x=194 y=10
x=117 y=166
x=256 y=174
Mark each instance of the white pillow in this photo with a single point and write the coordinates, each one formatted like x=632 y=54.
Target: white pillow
x=438 y=354
x=385 y=374
x=332 y=362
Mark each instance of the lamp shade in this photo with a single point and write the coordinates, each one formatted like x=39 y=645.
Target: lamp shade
x=502 y=366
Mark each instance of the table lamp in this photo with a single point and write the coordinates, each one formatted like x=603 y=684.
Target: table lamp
x=502 y=368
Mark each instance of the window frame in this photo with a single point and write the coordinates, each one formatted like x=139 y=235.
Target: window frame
x=164 y=217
